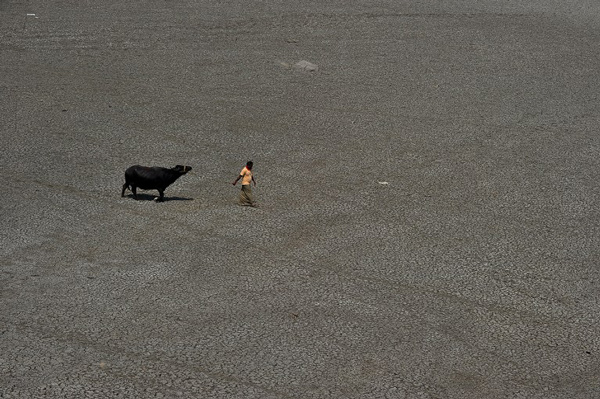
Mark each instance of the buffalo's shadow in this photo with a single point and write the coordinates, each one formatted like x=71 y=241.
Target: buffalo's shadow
x=150 y=197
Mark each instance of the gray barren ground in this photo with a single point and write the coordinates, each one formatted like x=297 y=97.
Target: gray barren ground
x=427 y=180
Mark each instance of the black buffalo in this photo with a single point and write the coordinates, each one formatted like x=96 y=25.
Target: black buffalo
x=152 y=178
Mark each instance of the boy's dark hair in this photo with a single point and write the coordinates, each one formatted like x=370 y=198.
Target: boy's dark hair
x=249 y=164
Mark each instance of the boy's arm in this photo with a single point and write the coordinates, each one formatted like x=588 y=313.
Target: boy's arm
x=236 y=180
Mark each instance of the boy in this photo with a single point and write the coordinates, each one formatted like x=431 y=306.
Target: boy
x=247 y=177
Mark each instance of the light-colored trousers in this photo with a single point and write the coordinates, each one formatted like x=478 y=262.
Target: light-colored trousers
x=246 y=197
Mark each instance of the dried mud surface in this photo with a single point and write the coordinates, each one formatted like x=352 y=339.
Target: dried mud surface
x=428 y=223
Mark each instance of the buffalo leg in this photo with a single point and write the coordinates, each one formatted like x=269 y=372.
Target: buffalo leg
x=125 y=186
x=134 y=191
x=161 y=195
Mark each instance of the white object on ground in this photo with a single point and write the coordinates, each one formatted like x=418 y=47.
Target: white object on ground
x=306 y=66
x=383 y=183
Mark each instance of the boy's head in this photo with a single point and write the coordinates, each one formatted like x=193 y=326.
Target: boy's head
x=249 y=165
